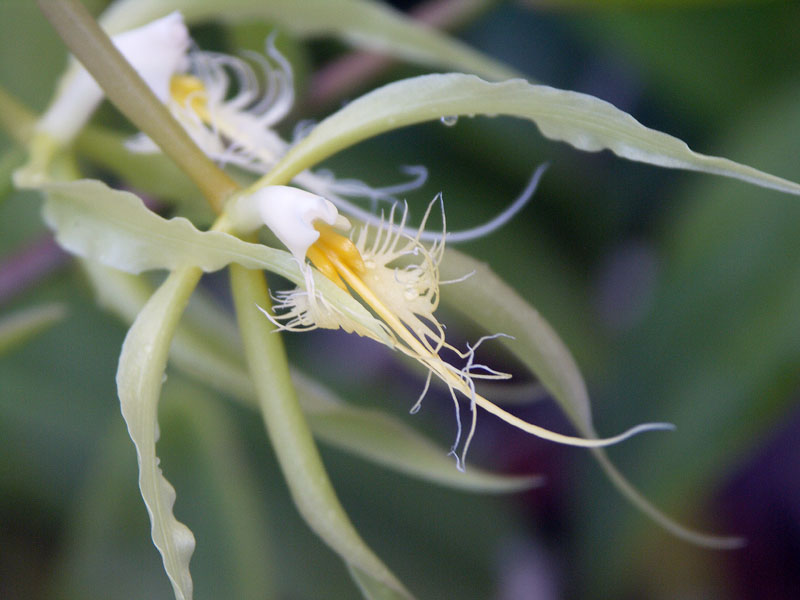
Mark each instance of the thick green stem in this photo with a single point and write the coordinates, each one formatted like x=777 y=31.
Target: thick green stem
x=123 y=86
x=289 y=433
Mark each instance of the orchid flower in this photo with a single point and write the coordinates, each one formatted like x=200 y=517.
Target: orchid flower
x=238 y=128
x=365 y=272
x=393 y=274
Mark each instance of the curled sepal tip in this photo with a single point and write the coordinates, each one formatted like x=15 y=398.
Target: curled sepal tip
x=568 y=440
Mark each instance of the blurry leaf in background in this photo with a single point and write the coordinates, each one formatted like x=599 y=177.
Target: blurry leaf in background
x=19 y=326
x=718 y=352
x=363 y=23
x=32 y=55
x=56 y=398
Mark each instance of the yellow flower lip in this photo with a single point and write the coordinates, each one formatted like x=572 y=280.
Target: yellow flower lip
x=190 y=91
x=319 y=258
x=332 y=248
x=331 y=241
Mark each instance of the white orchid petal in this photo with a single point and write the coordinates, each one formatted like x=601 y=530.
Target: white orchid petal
x=157 y=51
x=289 y=212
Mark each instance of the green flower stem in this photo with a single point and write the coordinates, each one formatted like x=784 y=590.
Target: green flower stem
x=289 y=433
x=123 y=86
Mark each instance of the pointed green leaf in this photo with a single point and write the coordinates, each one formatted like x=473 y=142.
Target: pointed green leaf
x=116 y=228
x=363 y=23
x=585 y=122
x=139 y=379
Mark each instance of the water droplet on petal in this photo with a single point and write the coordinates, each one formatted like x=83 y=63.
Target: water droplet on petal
x=449 y=120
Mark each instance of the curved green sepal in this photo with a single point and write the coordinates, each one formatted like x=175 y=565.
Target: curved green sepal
x=139 y=379
x=585 y=122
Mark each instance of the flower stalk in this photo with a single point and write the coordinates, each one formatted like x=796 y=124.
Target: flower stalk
x=289 y=434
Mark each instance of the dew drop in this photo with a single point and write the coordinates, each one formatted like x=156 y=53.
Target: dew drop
x=449 y=120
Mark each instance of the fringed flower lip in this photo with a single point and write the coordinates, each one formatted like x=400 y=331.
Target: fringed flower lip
x=396 y=276
x=230 y=107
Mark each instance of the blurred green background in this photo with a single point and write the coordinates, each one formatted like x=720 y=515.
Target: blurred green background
x=678 y=294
